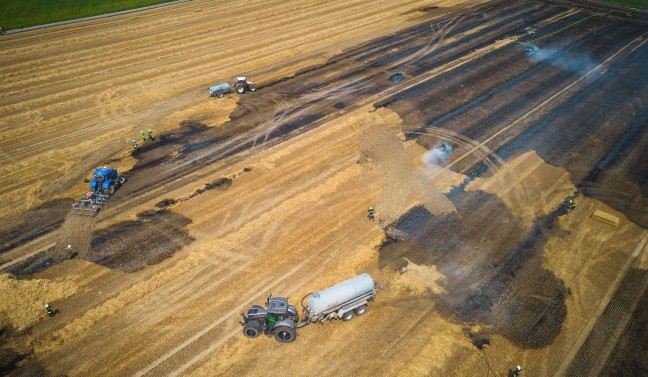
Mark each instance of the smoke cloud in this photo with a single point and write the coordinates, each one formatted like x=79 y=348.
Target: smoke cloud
x=580 y=64
x=437 y=154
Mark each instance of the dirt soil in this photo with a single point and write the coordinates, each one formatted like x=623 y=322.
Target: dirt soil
x=468 y=158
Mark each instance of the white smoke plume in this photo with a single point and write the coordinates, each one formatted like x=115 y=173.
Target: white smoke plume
x=437 y=154
x=574 y=63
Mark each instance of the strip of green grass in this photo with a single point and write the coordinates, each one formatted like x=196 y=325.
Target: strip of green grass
x=631 y=3
x=16 y=13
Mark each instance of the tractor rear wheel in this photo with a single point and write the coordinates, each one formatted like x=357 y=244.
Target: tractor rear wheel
x=360 y=310
x=347 y=316
x=285 y=334
x=240 y=89
x=111 y=189
x=252 y=329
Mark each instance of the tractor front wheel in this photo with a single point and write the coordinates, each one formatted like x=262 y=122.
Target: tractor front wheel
x=121 y=179
x=252 y=88
x=285 y=334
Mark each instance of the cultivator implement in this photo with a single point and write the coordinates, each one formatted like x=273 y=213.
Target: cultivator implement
x=90 y=203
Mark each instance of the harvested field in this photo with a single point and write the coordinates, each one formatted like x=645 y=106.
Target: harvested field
x=466 y=125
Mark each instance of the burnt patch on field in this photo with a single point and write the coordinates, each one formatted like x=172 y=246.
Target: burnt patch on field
x=293 y=124
x=9 y=360
x=623 y=192
x=13 y=362
x=5 y=331
x=618 y=337
x=194 y=145
x=602 y=142
x=173 y=145
x=219 y=184
x=428 y=8
x=35 y=263
x=479 y=338
x=493 y=266
x=10 y=364
x=620 y=176
x=630 y=356
x=37 y=222
x=172 y=155
x=76 y=231
x=131 y=245
x=165 y=203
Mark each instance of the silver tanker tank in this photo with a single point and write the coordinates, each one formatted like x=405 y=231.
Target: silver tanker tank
x=333 y=297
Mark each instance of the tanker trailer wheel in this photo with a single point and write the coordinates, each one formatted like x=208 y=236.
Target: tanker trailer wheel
x=347 y=316
x=252 y=329
x=285 y=334
x=360 y=310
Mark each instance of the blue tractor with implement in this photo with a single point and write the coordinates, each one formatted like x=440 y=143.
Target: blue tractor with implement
x=105 y=181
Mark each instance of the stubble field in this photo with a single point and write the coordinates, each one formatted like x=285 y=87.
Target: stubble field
x=268 y=192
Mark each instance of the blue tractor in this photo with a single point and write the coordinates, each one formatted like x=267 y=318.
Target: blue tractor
x=106 y=180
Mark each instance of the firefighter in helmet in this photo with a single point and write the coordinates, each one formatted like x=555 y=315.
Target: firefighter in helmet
x=50 y=310
x=517 y=372
x=134 y=144
x=371 y=214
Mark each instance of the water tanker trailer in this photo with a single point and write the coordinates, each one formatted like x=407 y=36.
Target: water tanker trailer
x=220 y=90
x=340 y=301
x=280 y=319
